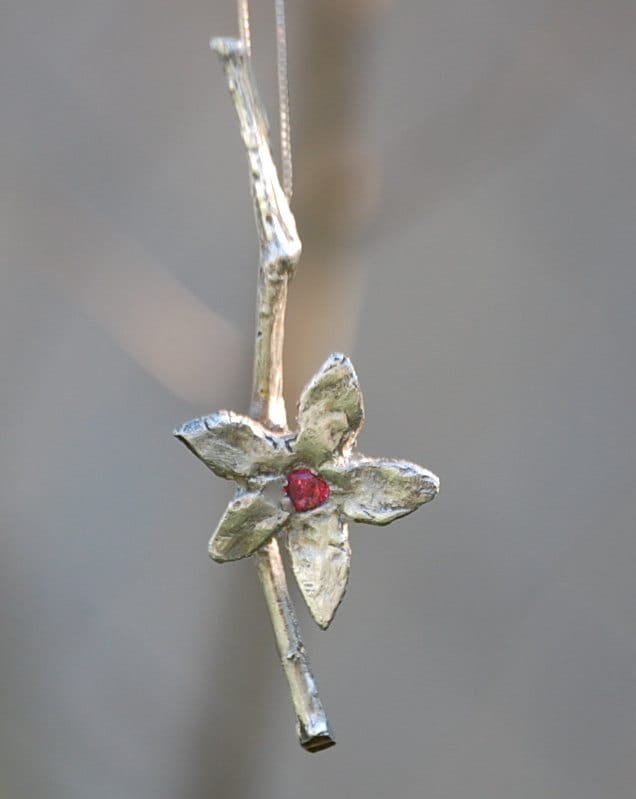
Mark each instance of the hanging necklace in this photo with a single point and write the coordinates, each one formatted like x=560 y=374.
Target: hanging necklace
x=297 y=488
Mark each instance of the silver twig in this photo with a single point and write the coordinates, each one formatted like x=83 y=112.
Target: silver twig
x=280 y=249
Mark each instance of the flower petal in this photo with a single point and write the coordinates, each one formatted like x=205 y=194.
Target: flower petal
x=234 y=446
x=318 y=545
x=330 y=412
x=377 y=491
x=249 y=521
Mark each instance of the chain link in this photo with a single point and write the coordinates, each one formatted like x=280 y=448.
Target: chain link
x=283 y=83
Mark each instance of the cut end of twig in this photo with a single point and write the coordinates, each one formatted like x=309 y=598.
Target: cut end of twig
x=318 y=742
x=314 y=734
x=227 y=46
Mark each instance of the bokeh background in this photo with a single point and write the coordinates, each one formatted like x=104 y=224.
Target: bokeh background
x=466 y=193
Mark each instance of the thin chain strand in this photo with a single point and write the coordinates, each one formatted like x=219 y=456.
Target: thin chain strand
x=283 y=83
x=244 y=25
x=283 y=99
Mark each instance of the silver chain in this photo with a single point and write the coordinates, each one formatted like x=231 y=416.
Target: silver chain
x=283 y=99
x=283 y=83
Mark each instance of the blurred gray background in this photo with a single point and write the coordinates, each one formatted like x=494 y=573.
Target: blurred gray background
x=466 y=193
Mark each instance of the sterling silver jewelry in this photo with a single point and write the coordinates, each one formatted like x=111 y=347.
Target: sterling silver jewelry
x=300 y=487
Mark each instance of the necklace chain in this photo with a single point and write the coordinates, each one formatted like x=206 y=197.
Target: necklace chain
x=283 y=99
x=283 y=83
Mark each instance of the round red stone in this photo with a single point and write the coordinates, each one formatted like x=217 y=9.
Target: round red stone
x=306 y=490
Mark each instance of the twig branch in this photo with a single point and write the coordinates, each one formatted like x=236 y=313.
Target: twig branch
x=279 y=253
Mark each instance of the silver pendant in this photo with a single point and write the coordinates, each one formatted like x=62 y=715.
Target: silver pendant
x=300 y=487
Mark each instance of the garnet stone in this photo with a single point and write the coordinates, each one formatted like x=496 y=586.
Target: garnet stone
x=306 y=490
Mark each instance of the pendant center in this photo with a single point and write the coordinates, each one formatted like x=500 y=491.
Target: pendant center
x=306 y=490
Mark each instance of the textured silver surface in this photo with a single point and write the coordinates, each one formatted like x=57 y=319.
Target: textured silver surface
x=312 y=726
x=330 y=412
x=362 y=489
x=248 y=523
x=232 y=445
x=378 y=491
x=318 y=545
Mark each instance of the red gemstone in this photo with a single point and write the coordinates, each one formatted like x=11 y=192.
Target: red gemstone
x=306 y=490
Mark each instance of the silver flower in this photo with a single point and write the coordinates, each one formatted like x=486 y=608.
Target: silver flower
x=327 y=485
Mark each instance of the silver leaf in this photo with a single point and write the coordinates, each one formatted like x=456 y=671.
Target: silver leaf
x=378 y=491
x=234 y=446
x=318 y=544
x=330 y=412
x=249 y=521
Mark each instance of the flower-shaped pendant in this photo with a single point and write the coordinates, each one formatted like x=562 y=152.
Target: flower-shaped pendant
x=306 y=486
x=300 y=488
